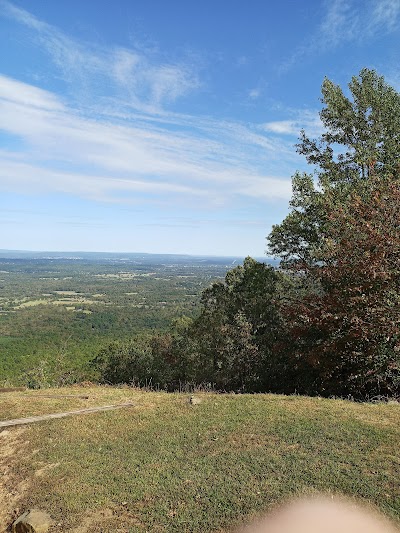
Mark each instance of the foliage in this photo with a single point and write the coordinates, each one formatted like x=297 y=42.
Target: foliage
x=326 y=322
x=361 y=138
x=366 y=130
x=229 y=345
x=342 y=238
x=349 y=334
x=52 y=308
x=238 y=327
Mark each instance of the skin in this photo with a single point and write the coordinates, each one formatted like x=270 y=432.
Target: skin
x=322 y=515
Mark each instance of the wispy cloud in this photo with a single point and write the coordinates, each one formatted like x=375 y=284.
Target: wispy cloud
x=146 y=81
x=305 y=120
x=121 y=142
x=98 y=159
x=349 y=20
x=19 y=93
x=346 y=21
x=339 y=25
x=385 y=16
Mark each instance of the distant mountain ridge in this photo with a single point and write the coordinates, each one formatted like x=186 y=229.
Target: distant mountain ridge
x=130 y=257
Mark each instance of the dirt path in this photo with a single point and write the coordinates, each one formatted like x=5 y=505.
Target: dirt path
x=11 y=487
x=32 y=419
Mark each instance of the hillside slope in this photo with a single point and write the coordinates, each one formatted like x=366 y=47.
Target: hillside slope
x=167 y=465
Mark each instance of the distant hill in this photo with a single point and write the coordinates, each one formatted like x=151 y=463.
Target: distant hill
x=138 y=258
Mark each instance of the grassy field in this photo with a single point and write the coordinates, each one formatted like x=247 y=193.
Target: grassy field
x=166 y=465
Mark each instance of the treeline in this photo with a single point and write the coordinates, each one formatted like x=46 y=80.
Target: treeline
x=327 y=322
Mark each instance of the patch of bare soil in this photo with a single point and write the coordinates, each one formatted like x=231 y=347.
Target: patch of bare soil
x=116 y=520
x=91 y=520
x=12 y=489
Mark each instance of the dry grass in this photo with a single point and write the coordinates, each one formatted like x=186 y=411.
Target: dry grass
x=34 y=403
x=166 y=465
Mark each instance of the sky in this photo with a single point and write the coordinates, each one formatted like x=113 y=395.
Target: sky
x=168 y=127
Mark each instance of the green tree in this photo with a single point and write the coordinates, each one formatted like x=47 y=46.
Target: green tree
x=129 y=362
x=341 y=238
x=361 y=137
x=238 y=326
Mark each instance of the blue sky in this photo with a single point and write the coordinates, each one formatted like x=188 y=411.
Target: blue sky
x=168 y=127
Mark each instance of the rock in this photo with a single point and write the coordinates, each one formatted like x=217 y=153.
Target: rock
x=194 y=401
x=32 y=521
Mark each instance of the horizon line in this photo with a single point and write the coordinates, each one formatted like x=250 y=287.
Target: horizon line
x=2 y=250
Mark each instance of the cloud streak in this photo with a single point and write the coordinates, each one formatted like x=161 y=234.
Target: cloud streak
x=66 y=152
x=347 y=21
x=116 y=139
x=143 y=80
x=305 y=120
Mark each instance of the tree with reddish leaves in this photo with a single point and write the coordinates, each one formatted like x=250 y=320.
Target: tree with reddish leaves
x=341 y=237
x=346 y=334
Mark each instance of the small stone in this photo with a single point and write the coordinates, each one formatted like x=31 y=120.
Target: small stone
x=32 y=521
x=194 y=401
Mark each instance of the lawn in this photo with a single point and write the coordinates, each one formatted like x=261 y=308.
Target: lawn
x=166 y=465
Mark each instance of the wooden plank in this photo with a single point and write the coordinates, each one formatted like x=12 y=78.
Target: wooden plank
x=12 y=389
x=33 y=419
x=69 y=396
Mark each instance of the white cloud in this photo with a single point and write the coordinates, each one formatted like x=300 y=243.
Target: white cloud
x=340 y=24
x=385 y=16
x=22 y=16
x=347 y=21
x=120 y=143
x=285 y=127
x=306 y=120
x=25 y=177
x=22 y=93
x=145 y=81
x=125 y=65
x=65 y=151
